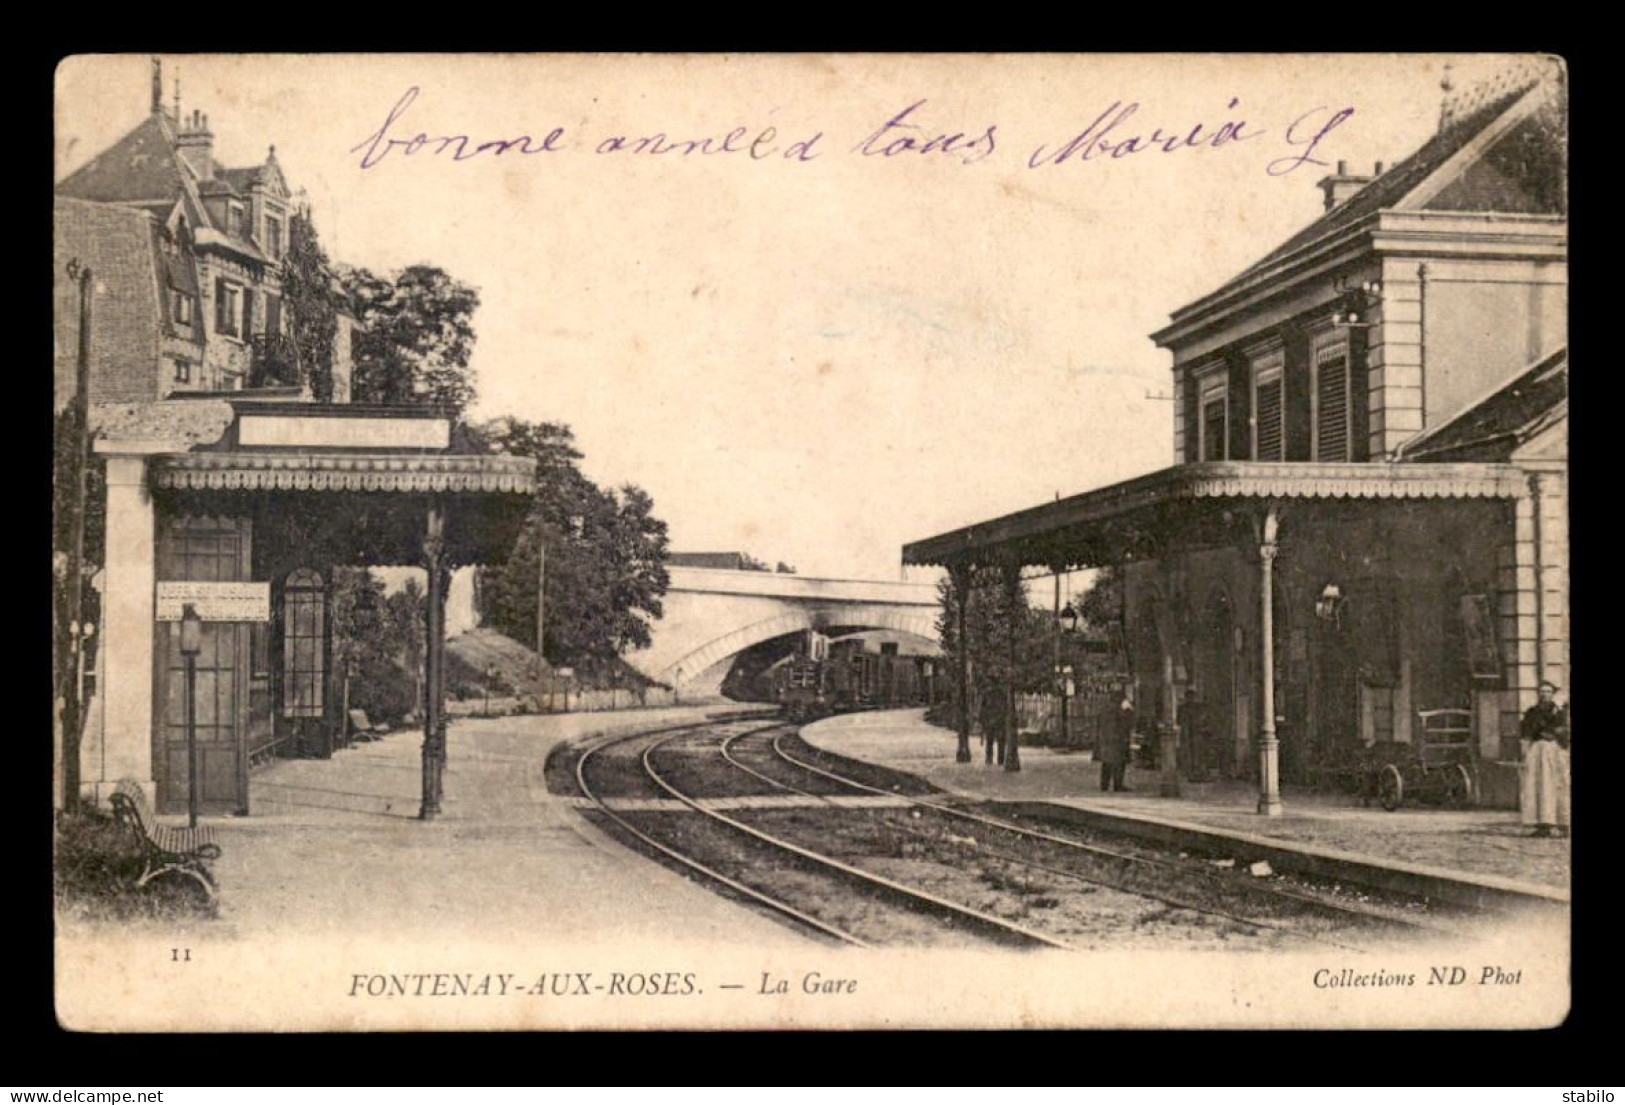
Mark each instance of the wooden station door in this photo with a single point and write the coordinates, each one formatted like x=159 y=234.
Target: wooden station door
x=203 y=549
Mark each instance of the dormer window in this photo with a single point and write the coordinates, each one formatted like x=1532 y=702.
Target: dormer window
x=227 y=308
x=1269 y=405
x=273 y=237
x=1332 y=402
x=234 y=220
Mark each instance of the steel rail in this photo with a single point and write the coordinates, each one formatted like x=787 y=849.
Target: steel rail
x=728 y=755
x=938 y=904
x=1011 y=857
x=1146 y=861
x=688 y=861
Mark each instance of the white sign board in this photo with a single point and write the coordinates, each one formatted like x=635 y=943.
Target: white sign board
x=215 y=602
x=344 y=433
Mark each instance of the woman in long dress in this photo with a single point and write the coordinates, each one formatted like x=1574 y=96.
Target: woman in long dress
x=1544 y=797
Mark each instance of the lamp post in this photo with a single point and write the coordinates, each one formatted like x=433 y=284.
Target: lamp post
x=490 y=677
x=191 y=645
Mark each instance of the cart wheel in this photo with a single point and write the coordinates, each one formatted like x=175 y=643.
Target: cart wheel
x=1458 y=787
x=1390 y=788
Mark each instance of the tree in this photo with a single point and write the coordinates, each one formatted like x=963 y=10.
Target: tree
x=417 y=337
x=989 y=619
x=311 y=304
x=749 y=563
x=406 y=610
x=606 y=554
x=1100 y=610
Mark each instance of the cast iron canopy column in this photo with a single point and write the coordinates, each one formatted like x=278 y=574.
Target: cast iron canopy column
x=1269 y=748
x=959 y=574
x=434 y=722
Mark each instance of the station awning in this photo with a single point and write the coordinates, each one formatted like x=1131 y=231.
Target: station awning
x=428 y=474
x=1128 y=520
x=364 y=509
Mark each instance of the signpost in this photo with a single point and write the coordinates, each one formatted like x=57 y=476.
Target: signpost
x=214 y=602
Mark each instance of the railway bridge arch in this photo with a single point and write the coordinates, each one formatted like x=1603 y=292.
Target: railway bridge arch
x=712 y=615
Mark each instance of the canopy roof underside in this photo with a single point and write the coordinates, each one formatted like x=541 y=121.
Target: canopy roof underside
x=1128 y=519
x=379 y=516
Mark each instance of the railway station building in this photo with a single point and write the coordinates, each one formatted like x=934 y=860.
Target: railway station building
x=1366 y=523
x=229 y=493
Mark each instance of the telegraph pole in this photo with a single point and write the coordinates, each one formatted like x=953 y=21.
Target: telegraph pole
x=541 y=611
x=72 y=707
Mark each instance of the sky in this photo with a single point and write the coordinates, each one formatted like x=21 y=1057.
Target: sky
x=813 y=353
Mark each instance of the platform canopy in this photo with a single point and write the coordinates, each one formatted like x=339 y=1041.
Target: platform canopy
x=1190 y=503
x=334 y=483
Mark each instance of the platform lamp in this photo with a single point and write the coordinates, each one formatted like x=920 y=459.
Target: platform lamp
x=191 y=645
x=1068 y=622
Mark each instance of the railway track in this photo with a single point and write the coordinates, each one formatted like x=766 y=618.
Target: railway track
x=790 y=879
x=1282 y=899
x=866 y=864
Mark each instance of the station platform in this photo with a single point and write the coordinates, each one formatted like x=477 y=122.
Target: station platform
x=1473 y=856
x=333 y=848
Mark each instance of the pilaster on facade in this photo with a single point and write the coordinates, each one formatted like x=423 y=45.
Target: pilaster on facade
x=124 y=751
x=1179 y=414
x=1396 y=356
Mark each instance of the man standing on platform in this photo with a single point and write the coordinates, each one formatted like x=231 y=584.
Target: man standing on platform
x=1544 y=797
x=1114 y=746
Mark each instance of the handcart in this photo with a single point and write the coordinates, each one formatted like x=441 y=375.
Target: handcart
x=1437 y=768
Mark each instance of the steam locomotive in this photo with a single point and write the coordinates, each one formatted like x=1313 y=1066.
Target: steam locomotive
x=834 y=677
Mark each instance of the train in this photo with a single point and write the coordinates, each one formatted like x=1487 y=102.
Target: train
x=829 y=677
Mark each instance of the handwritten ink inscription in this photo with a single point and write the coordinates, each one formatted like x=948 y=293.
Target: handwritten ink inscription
x=1111 y=135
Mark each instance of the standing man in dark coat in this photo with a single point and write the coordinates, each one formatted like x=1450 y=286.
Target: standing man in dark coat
x=1544 y=794
x=1114 y=746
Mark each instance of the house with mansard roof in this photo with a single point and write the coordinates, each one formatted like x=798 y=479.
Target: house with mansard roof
x=1364 y=533
x=221 y=235
x=232 y=497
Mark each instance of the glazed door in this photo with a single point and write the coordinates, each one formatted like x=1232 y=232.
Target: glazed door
x=209 y=550
x=304 y=654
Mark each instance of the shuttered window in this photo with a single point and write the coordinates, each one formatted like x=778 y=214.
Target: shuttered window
x=1211 y=384
x=1332 y=405
x=1213 y=429
x=1268 y=367
x=1268 y=422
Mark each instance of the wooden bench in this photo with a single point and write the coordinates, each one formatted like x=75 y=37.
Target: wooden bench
x=362 y=728
x=165 y=849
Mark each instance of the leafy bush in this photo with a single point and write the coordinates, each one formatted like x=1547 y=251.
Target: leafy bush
x=385 y=691
x=97 y=865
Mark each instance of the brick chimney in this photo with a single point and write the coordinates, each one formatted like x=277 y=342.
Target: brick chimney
x=196 y=144
x=1342 y=184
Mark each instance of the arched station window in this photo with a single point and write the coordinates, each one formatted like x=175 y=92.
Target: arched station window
x=304 y=615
